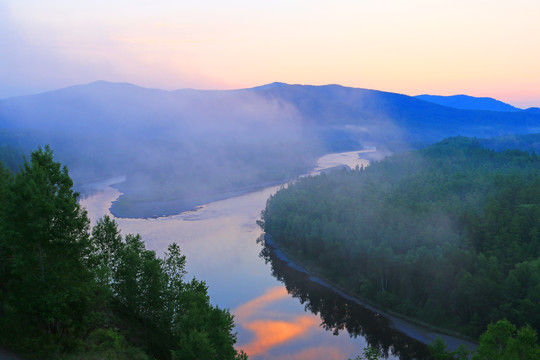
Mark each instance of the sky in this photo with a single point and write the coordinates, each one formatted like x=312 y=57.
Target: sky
x=474 y=47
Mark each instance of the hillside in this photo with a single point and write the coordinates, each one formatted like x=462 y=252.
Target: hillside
x=468 y=102
x=468 y=212
x=183 y=148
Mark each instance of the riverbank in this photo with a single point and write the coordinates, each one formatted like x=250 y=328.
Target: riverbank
x=420 y=331
x=132 y=208
x=125 y=207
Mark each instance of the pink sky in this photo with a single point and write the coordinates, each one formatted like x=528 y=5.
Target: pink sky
x=476 y=47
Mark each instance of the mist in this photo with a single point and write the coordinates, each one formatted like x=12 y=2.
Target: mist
x=177 y=149
x=184 y=148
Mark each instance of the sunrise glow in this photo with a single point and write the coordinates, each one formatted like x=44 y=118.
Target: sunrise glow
x=479 y=48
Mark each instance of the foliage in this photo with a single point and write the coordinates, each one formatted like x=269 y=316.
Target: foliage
x=502 y=341
x=44 y=240
x=438 y=351
x=448 y=234
x=66 y=292
x=369 y=354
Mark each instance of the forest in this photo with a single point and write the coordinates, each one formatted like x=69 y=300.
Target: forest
x=447 y=235
x=68 y=291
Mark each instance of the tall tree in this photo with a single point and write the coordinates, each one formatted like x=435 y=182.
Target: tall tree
x=106 y=249
x=58 y=284
x=45 y=234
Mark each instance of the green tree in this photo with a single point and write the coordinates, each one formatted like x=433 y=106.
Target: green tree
x=45 y=244
x=502 y=341
x=62 y=290
x=201 y=331
x=106 y=248
x=438 y=351
x=205 y=331
x=174 y=267
x=370 y=353
x=127 y=285
x=467 y=211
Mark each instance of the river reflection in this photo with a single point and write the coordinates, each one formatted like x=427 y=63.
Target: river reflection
x=219 y=241
x=337 y=312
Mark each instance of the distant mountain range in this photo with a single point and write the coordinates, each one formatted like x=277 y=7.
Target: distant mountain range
x=468 y=102
x=179 y=149
x=380 y=113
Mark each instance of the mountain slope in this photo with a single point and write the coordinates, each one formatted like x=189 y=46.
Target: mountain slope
x=379 y=113
x=468 y=102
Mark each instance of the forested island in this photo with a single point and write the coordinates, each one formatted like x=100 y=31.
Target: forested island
x=71 y=292
x=448 y=235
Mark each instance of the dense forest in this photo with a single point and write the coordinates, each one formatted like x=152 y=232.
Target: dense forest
x=448 y=234
x=340 y=312
x=71 y=292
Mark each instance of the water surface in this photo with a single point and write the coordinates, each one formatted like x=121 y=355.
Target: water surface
x=274 y=319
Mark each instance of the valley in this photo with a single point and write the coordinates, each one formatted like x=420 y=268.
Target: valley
x=166 y=171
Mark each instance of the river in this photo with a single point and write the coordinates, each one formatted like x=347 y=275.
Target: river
x=280 y=313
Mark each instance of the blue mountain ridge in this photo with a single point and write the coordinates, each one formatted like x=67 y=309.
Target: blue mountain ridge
x=467 y=102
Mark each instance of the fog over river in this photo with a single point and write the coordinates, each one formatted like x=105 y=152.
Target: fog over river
x=219 y=241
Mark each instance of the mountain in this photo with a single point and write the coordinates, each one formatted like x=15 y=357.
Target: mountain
x=349 y=116
x=179 y=149
x=468 y=102
x=533 y=110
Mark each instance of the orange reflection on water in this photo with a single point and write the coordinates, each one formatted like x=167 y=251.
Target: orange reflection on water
x=268 y=333
x=250 y=308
